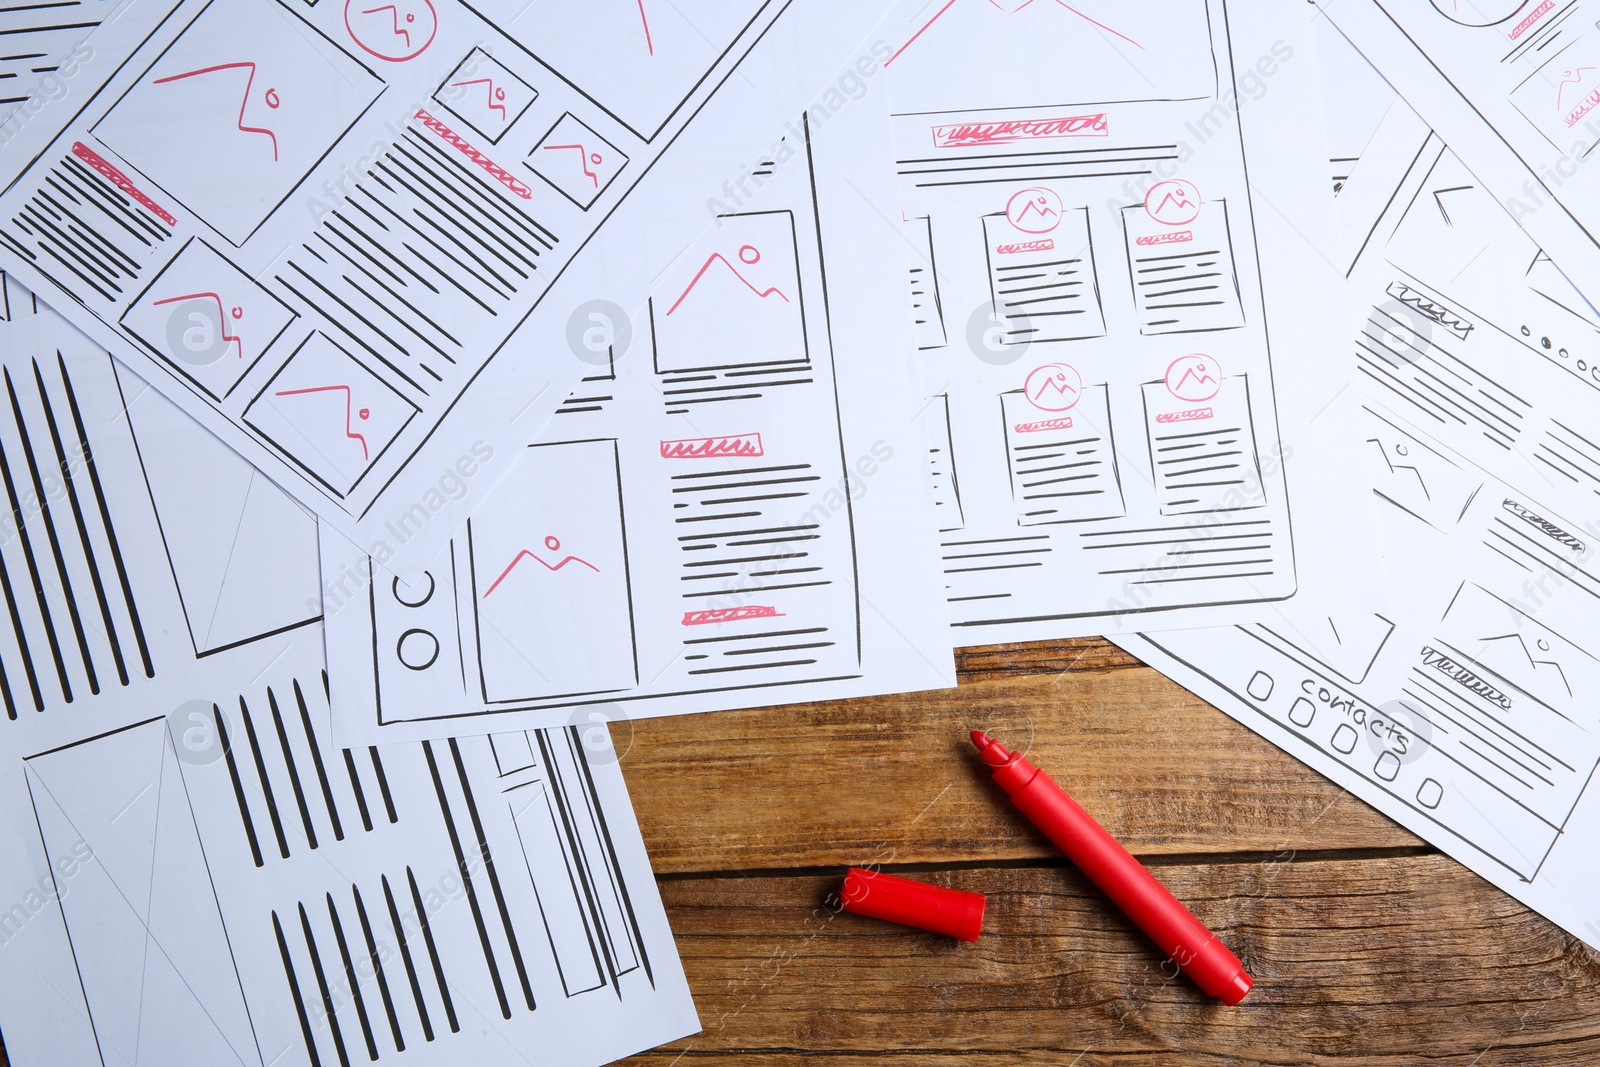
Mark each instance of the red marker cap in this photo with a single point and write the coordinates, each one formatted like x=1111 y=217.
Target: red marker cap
x=901 y=900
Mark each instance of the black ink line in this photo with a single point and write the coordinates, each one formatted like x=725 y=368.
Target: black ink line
x=350 y=976
x=261 y=773
x=83 y=528
x=238 y=785
x=294 y=992
x=405 y=956
x=316 y=760
x=466 y=878
x=105 y=515
x=383 y=783
x=433 y=952
x=294 y=772
x=494 y=877
x=322 y=987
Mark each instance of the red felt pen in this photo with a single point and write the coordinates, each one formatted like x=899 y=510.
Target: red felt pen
x=1124 y=879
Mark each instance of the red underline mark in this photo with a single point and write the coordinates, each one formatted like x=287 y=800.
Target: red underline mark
x=550 y=543
x=271 y=96
x=753 y=257
x=453 y=139
x=120 y=180
x=222 y=316
x=348 y=430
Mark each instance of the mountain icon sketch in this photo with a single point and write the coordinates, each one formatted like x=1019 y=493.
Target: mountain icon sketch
x=1543 y=646
x=1034 y=210
x=270 y=97
x=1396 y=468
x=394 y=14
x=1194 y=378
x=1569 y=77
x=497 y=95
x=1053 y=387
x=748 y=255
x=222 y=318
x=349 y=430
x=551 y=544
x=585 y=157
x=1173 y=202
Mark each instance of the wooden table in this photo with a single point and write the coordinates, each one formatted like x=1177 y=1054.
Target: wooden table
x=1368 y=946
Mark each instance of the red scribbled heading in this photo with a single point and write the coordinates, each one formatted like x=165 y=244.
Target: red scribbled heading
x=1533 y=16
x=1187 y=415
x=739 y=444
x=706 y=618
x=120 y=180
x=1063 y=423
x=963 y=134
x=1044 y=245
x=1177 y=237
x=454 y=140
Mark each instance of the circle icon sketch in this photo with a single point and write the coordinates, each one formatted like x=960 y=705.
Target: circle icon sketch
x=1479 y=12
x=1174 y=202
x=417 y=649
x=393 y=32
x=1194 y=378
x=1034 y=210
x=1053 y=387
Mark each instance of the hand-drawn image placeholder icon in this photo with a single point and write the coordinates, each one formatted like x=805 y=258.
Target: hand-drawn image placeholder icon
x=396 y=31
x=328 y=414
x=735 y=301
x=550 y=591
x=231 y=118
x=486 y=96
x=1053 y=387
x=1563 y=95
x=207 y=319
x=578 y=162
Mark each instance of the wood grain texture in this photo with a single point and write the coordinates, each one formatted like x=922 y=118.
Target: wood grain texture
x=845 y=782
x=1379 y=962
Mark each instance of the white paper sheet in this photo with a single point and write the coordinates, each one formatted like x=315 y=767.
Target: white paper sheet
x=324 y=229
x=732 y=510
x=1460 y=707
x=1115 y=281
x=1514 y=89
x=190 y=871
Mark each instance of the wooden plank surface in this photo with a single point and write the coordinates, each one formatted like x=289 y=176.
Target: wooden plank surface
x=1369 y=948
x=831 y=784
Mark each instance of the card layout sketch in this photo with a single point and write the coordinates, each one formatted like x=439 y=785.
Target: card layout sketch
x=328 y=413
x=209 y=320
x=532 y=567
x=485 y=95
x=1041 y=269
x=232 y=117
x=576 y=160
